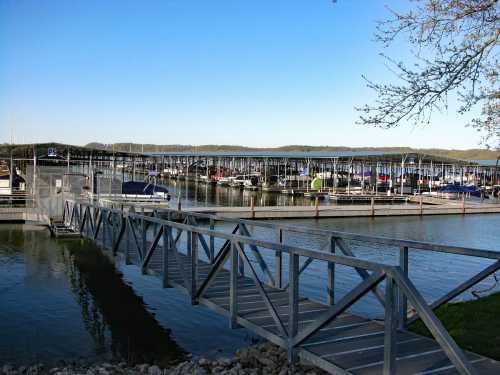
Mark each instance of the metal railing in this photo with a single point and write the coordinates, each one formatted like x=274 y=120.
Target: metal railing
x=240 y=256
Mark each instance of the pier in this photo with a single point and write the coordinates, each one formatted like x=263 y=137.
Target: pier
x=223 y=264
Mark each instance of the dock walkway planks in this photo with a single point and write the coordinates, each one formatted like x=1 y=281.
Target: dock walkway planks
x=350 y=344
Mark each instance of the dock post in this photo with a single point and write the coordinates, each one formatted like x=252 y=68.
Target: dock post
x=316 y=206
x=278 y=263
x=331 y=276
x=390 y=325
x=293 y=305
x=402 y=299
x=421 y=205
x=372 y=206
x=233 y=286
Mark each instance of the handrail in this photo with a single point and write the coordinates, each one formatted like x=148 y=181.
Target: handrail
x=381 y=240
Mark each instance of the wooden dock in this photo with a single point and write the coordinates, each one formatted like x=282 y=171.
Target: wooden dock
x=332 y=211
x=225 y=271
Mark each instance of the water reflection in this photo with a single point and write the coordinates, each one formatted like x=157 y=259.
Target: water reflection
x=109 y=305
x=65 y=299
x=195 y=194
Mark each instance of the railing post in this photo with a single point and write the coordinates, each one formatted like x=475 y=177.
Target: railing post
x=166 y=248
x=144 y=240
x=233 y=287
x=194 y=266
x=127 y=240
x=104 y=221
x=331 y=276
x=241 y=263
x=79 y=218
x=64 y=211
x=113 y=229
x=278 y=263
x=212 y=241
x=402 y=299
x=390 y=326
x=189 y=239
x=293 y=305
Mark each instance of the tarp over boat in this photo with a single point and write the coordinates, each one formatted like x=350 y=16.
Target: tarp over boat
x=141 y=188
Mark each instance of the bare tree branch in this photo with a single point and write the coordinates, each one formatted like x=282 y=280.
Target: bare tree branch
x=457 y=52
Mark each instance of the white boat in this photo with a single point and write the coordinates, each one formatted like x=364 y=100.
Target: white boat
x=225 y=181
x=238 y=181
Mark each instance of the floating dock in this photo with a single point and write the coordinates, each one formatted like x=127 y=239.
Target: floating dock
x=59 y=230
x=331 y=211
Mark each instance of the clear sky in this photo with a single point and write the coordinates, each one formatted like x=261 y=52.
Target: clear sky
x=255 y=73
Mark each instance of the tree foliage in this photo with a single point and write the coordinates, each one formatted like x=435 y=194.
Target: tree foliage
x=455 y=44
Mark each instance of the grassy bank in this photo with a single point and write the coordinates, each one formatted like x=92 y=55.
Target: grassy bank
x=475 y=325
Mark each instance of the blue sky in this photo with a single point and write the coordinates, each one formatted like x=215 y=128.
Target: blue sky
x=255 y=73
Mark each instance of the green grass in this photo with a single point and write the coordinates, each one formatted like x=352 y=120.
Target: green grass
x=475 y=325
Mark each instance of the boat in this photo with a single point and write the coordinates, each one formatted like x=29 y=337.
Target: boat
x=453 y=191
x=137 y=192
x=272 y=184
x=238 y=181
x=18 y=183
x=252 y=182
x=225 y=181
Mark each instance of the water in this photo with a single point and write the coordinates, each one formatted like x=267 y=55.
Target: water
x=64 y=299
x=193 y=194
x=199 y=195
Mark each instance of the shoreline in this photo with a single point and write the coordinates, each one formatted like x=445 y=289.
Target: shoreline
x=257 y=359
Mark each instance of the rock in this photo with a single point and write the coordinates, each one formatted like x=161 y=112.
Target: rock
x=142 y=368
x=204 y=362
x=225 y=362
x=200 y=371
x=267 y=362
x=154 y=370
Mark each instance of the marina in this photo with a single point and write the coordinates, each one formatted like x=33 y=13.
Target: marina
x=129 y=205
x=250 y=188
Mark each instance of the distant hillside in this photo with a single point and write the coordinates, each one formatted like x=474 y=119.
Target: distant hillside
x=472 y=154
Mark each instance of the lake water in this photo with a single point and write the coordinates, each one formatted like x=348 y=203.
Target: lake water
x=64 y=299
